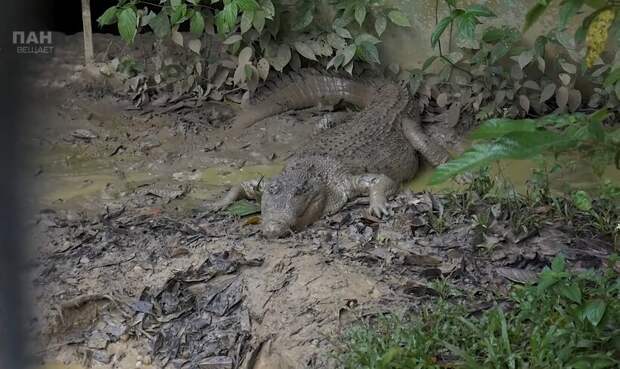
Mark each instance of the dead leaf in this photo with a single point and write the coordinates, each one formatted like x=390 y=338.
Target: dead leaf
x=568 y=67
x=517 y=275
x=524 y=102
x=565 y=78
x=525 y=58
x=254 y=220
x=547 y=92
x=531 y=85
x=421 y=260
x=561 y=97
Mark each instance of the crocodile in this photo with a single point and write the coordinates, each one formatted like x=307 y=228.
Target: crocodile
x=369 y=155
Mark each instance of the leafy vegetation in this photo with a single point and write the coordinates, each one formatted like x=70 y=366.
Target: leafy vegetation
x=257 y=35
x=512 y=95
x=522 y=139
x=567 y=320
x=488 y=199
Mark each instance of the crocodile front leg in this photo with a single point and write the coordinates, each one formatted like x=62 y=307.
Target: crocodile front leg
x=250 y=190
x=426 y=146
x=378 y=188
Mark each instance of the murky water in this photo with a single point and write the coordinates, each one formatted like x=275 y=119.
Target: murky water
x=94 y=182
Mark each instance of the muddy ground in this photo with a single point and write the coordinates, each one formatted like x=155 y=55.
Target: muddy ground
x=129 y=270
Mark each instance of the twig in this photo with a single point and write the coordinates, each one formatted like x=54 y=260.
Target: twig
x=113 y=264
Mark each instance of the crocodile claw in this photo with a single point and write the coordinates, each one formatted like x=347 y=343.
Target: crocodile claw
x=379 y=210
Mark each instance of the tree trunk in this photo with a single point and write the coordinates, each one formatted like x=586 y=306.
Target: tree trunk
x=88 y=32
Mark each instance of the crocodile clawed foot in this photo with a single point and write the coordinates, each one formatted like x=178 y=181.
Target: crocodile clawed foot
x=379 y=209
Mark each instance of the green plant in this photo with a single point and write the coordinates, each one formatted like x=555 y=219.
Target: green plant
x=523 y=139
x=568 y=320
x=257 y=36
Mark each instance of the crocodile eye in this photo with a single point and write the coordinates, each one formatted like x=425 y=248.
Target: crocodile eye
x=300 y=190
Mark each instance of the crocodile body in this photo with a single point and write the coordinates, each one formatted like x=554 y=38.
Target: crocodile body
x=369 y=155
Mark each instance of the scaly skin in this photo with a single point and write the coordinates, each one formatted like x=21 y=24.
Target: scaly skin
x=369 y=155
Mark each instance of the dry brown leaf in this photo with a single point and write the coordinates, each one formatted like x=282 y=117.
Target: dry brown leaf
x=561 y=97
x=524 y=102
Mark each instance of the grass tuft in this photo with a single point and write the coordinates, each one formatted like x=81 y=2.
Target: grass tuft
x=565 y=321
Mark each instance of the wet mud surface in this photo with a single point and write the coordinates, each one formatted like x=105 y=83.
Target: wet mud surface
x=128 y=269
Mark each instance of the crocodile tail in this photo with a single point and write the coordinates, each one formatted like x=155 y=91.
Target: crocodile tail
x=302 y=90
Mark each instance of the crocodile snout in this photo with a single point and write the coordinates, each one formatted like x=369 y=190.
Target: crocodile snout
x=274 y=229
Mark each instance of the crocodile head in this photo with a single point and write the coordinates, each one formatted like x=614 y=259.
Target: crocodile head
x=291 y=201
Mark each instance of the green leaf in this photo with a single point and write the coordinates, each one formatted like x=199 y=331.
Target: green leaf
x=160 y=24
x=399 y=18
x=259 y=20
x=268 y=8
x=540 y=44
x=571 y=292
x=428 y=62
x=514 y=145
x=197 y=23
x=108 y=17
x=247 y=5
x=304 y=50
x=348 y=53
x=439 y=30
x=568 y=10
x=479 y=10
x=582 y=201
x=380 y=25
x=342 y=32
x=281 y=58
x=246 y=21
x=466 y=25
x=594 y=311
x=365 y=37
x=336 y=41
x=534 y=13
x=499 y=51
x=304 y=21
x=243 y=208
x=558 y=264
x=360 y=13
x=368 y=51
x=494 y=128
x=232 y=39
x=128 y=24
x=178 y=14
x=493 y=34
x=546 y=280
x=227 y=18
x=612 y=77
x=336 y=61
